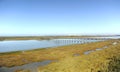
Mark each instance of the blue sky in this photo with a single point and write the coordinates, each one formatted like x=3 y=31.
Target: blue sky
x=49 y=17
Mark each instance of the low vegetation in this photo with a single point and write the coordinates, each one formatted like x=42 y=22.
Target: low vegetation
x=106 y=60
x=23 y=57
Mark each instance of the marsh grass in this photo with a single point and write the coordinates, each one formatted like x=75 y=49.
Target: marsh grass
x=107 y=60
x=94 y=62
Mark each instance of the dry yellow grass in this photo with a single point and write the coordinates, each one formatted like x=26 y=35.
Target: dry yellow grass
x=67 y=62
x=107 y=60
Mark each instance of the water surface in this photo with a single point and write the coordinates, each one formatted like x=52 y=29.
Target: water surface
x=32 y=67
x=19 y=45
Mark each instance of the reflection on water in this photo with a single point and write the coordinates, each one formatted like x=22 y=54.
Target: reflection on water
x=32 y=66
x=7 y=46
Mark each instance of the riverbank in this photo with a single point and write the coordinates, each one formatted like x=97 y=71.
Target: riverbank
x=106 y=60
x=69 y=58
x=17 y=58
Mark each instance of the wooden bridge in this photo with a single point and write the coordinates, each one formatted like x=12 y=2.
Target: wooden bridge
x=79 y=40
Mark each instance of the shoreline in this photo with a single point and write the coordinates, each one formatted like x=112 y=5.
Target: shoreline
x=47 y=53
x=4 y=38
x=65 y=55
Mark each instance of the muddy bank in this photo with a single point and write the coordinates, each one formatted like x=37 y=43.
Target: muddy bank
x=32 y=67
